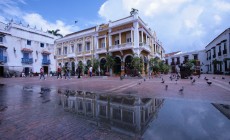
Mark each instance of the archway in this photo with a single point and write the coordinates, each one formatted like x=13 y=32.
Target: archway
x=117 y=65
x=128 y=65
x=102 y=66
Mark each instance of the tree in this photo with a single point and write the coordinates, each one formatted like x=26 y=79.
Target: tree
x=137 y=63
x=109 y=62
x=55 y=32
x=154 y=64
x=96 y=64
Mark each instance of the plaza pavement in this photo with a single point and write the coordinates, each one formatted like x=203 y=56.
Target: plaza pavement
x=29 y=116
x=219 y=91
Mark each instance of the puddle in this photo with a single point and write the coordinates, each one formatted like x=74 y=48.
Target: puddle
x=127 y=114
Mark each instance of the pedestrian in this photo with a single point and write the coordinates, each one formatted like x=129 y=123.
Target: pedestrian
x=78 y=71
x=90 y=71
x=42 y=73
x=59 y=72
x=67 y=72
x=7 y=74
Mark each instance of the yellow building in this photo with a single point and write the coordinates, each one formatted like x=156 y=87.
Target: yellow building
x=122 y=39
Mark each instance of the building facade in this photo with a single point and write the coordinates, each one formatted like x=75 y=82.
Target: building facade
x=25 y=50
x=126 y=114
x=215 y=58
x=122 y=39
x=218 y=54
x=178 y=58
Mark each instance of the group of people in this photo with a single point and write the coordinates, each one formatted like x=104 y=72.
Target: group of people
x=66 y=72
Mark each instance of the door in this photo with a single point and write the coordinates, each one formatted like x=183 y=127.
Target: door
x=46 y=70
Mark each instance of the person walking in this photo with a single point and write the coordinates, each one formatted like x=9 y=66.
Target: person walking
x=59 y=72
x=67 y=72
x=78 y=71
x=90 y=71
x=42 y=73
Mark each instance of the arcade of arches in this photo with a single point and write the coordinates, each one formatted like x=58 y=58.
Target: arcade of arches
x=122 y=65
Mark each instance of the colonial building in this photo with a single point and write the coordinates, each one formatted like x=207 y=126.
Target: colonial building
x=215 y=58
x=122 y=39
x=126 y=114
x=24 y=49
x=218 y=54
x=176 y=59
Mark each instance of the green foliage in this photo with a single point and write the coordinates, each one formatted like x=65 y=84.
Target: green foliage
x=137 y=63
x=96 y=64
x=157 y=65
x=55 y=32
x=109 y=61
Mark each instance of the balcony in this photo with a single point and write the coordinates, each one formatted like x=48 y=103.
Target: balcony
x=45 y=62
x=172 y=63
x=71 y=55
x=145 y=47
x=3 y=59
x=123 y=46
x=27 y=60
x=225 y=51
x=213 y=56
x=219 y=53
x=101 y=50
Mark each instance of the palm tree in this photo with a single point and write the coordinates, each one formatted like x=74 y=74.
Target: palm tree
x=55 y=32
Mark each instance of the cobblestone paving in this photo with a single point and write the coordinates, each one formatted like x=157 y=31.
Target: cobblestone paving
x=27 y=115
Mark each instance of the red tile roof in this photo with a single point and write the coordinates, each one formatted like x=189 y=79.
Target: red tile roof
x=26 y=50
x=46 y=52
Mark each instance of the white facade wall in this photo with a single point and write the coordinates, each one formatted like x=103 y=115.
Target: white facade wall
x=16 y=40
x=218 y=45
x=201 y=57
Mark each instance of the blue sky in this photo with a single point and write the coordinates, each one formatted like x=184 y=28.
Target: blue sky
x=181 y=25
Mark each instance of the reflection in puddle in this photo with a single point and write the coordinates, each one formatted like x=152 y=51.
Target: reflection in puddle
x=127 y=114
x=224 y=109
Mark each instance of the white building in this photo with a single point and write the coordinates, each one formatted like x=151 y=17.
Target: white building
x=178 y=58
x=215 y=58
x=218 y=54
x=23 y=49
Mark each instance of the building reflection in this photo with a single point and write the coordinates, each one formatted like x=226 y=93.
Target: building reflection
x=223 y=108
x=124 y=113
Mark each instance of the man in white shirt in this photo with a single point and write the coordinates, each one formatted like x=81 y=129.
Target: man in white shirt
x=90 y=71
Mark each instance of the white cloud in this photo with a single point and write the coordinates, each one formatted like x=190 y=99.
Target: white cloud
x=37 y=20
x=180 y=24
x=9 y=8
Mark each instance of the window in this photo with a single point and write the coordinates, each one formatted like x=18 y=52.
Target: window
x=65 y=50
x=103 y=44
x=116 y=40
x=128 y=38
x=79 y=47
x=42 y=45
x=72 y=48
x=26 y=55
x=196 y=56
x=1 y=39
x=28 y=42
x=45 y=57
x=59 y=51
x=87 y=46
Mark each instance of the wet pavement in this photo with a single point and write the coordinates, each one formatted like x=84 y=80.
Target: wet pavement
x=110 y=108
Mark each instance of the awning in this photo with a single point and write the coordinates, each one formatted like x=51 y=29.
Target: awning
x=46 y=52
x=2 y=46
x=26 y=50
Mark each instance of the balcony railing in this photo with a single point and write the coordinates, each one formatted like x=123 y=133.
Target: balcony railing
x=219 y=53
x=45 y=62
x=3 y=59
x=224 y=51
x=27 y=60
